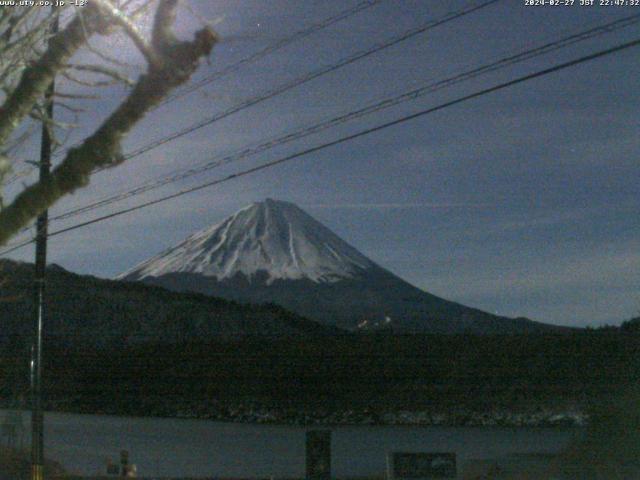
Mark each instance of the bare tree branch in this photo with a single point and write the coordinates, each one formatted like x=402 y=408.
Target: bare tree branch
x=179 y=59
x=131 y=30
x=116 y=76
x=36 y=78
x=76 y=96
x=162 y=37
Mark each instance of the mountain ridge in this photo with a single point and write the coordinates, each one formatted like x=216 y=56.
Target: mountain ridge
x=83 y=309
x=273 y=251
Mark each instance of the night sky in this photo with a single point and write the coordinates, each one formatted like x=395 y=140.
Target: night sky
x=523 y=202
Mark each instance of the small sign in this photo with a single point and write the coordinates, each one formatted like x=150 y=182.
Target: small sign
x=421 y=465
x=318 y=452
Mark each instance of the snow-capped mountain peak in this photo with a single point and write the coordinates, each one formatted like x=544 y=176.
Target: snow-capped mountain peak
x=274 y=252
x=272 y=237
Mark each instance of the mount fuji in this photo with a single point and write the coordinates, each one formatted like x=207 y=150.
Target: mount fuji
x=273 y=251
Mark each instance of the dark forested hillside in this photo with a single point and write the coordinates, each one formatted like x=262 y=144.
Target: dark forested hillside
x=323 y=376
x=117 y=347
x=87 y=310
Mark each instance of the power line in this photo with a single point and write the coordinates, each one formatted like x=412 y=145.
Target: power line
x=296 y=82
x=272 y=48
x=300 y=34
x=380 y=105
x=449 y=17
x=442 y=106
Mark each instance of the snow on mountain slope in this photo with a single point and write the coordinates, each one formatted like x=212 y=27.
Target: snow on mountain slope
x=275 y=237
x=273 y=252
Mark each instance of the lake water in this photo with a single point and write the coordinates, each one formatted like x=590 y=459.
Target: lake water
x=176 y=447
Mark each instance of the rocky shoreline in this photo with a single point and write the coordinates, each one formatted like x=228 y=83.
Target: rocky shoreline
x=253 y=414
x=547 y=419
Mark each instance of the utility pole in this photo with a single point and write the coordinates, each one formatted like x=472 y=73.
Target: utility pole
x=37 y=417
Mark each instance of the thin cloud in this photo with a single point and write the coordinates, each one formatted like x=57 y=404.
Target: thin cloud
x=389 y=206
